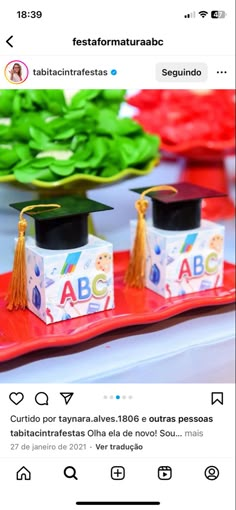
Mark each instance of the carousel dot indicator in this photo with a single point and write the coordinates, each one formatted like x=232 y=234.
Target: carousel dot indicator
x=117 y=397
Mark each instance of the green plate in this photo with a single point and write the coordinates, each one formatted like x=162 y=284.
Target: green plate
x=82 y=181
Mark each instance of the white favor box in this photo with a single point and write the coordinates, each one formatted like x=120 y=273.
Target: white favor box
x=63 y=285
x=183 y=262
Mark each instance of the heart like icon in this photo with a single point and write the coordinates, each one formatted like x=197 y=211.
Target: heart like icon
x=16 y=398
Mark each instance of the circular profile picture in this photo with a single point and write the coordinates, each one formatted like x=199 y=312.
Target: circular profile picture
x=16 y=72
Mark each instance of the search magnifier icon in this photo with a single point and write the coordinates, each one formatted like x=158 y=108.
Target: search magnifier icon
x=70 y=472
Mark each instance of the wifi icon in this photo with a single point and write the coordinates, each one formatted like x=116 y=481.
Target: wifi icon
x=203 y=13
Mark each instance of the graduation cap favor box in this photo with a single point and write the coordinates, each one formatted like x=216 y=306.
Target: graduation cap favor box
x=69 y=273
x=182 y=254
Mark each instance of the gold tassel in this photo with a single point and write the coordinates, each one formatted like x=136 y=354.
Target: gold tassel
x=17 y=293
x=135 y=274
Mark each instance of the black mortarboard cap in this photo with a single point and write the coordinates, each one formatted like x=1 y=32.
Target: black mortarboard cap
x=62 y=228
x=180 y=210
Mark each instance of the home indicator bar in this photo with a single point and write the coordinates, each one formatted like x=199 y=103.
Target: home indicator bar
x=121 y=503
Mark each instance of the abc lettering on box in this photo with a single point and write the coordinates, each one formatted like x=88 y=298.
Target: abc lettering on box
x=183 y=262
x=64 y=284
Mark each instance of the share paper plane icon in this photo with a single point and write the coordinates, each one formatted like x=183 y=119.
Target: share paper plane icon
x=67 y=397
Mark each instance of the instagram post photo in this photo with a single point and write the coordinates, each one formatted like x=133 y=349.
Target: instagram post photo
x=98 y=153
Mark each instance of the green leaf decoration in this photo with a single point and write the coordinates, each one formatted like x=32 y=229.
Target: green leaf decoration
x=6 y=100
x=109 y=171
x=65 y=134
x=8 y=157
x=22 y=151
x=5 y=133
x=42 y=162
x=82 y=97
x=27 y=175
x=50 y=138
x=62 y=170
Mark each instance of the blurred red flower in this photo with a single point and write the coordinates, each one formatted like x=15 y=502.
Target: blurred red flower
x=180 y=116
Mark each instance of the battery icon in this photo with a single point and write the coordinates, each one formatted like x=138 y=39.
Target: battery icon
x=218 y=14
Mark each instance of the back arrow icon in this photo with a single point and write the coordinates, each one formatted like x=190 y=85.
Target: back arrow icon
x=8 y=41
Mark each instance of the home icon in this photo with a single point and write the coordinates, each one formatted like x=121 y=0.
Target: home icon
x=23 y=474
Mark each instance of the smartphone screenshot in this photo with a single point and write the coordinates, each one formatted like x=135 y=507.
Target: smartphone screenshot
x=117 y=255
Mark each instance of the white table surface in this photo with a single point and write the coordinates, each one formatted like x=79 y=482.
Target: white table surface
x=195 y=347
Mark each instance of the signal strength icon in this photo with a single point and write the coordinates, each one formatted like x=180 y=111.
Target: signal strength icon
x=190 y=15
x=203 y=13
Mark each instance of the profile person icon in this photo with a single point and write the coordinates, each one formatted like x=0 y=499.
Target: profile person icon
x=16 y=72
x=212 y=473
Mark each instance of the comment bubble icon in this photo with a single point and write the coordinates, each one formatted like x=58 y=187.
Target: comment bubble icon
x=41 y=398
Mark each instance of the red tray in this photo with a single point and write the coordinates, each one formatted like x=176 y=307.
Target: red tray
x=22 y=332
